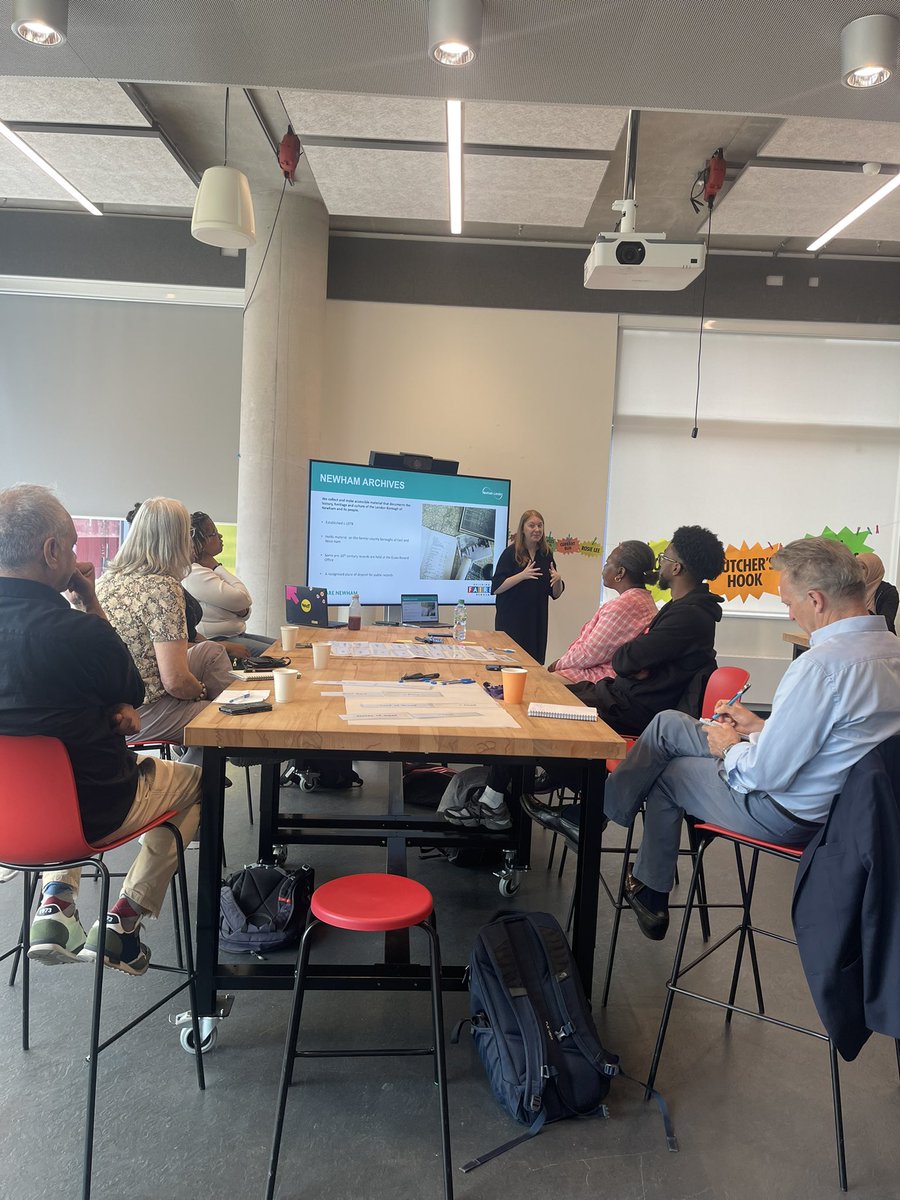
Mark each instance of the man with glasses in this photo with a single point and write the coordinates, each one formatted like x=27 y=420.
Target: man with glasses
x=773 y=780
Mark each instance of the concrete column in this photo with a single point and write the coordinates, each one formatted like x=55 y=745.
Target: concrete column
x=281 y=397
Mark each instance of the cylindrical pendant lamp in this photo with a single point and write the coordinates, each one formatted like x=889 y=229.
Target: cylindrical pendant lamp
x=223 y=210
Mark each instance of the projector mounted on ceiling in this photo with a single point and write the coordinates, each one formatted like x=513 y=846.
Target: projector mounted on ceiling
x=636 y=262
x=626 y=261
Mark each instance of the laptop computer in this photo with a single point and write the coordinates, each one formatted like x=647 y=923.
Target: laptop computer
x=422 y=611
x=308 y=606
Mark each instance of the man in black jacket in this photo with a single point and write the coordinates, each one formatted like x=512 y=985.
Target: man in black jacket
x=653 y=673
x=654 y=670
x=67 y=674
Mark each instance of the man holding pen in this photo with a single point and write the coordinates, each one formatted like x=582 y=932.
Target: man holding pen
x=774 y=780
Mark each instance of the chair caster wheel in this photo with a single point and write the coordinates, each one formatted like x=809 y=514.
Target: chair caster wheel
x=510 y=884
x=186 y=1038
x=279 y=855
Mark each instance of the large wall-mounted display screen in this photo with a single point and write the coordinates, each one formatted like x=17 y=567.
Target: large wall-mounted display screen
x=386 y=533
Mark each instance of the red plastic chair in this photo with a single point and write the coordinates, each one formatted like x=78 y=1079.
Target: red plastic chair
x=368 y=904
x=40 y=829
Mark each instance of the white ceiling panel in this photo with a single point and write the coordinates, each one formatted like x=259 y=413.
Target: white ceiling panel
x=530 y=191
x=74 y=101
x=20 y=179
x=116 y=170
x=787 y=203
x=392 y=118
x=381 y=183
x=576 y=127
x=835 y=141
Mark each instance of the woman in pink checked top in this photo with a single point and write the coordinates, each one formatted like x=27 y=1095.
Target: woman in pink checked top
x=629 y=569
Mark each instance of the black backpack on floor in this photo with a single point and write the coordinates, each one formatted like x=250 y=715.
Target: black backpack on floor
x=424 y=784
x=264 y=908
x=532 y=1025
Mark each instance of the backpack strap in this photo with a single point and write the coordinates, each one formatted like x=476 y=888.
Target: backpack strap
x=671 y=1139
x=498 y=1150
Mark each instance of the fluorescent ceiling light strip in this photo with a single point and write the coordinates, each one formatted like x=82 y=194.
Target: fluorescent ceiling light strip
x=868 y=203
x=454 y=160
x=15 y=140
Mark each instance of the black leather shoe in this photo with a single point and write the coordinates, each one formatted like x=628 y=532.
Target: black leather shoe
x=562 y=820
x=654 y=925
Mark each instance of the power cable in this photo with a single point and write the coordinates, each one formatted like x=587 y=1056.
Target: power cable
x=696 y=428
x=268 y=244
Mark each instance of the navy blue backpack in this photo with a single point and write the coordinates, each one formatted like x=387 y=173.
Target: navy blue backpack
x=532 y=1026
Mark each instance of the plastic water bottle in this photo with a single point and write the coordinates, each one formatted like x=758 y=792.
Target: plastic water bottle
x=354 y=615
x=459 y=621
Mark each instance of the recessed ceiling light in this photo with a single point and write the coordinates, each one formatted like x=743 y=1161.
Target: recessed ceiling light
x=41 y=22
x=868 y=51
x=454 y=31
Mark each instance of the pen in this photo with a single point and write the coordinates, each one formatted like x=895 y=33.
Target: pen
x=734 y=699
x=448 y=682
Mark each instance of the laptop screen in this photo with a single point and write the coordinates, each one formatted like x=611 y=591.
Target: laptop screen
x=419 y=610
x=305 y=606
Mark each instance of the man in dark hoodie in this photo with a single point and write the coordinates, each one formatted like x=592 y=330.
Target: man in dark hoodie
x=655 y=671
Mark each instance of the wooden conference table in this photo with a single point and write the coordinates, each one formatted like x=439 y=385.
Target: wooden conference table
x=797 y=640
x=311 y=726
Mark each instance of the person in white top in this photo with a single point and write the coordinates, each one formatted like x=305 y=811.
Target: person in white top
x=225 y=601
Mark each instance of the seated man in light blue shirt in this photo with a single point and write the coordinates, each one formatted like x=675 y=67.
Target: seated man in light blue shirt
x=774 y=780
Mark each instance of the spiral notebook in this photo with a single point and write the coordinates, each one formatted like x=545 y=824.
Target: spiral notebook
x=565 y=712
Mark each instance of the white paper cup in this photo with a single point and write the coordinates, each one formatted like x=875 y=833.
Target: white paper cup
x=513 y=684
x=321 y=653
x=285 y=680
x=289 y=637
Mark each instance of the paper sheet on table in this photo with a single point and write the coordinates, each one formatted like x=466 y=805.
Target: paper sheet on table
x=449 y=652
x=465 y=705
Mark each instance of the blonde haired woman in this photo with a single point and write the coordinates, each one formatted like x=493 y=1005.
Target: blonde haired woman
x=142 y=596
x=525 y=578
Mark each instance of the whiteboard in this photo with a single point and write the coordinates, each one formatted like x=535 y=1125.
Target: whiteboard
x=796 y=434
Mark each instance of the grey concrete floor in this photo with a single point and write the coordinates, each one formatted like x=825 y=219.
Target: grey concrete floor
x=751 y=1105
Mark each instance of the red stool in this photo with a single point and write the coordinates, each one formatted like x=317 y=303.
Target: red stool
x=368 y=904
x=40 y=829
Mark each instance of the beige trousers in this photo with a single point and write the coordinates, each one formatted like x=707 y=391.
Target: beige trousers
x=162 y=786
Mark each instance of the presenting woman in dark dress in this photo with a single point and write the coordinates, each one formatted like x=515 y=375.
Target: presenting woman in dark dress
x=525 y=577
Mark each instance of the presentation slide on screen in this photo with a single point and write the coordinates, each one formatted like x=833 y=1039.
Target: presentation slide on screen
x=388 y=533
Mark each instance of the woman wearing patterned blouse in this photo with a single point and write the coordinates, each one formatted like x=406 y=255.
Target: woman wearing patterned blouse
x=143 y=598
x=628 y=570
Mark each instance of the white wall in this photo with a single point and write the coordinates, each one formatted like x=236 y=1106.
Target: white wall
x=509 y=393
x=799 y=429
x=111 y=402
